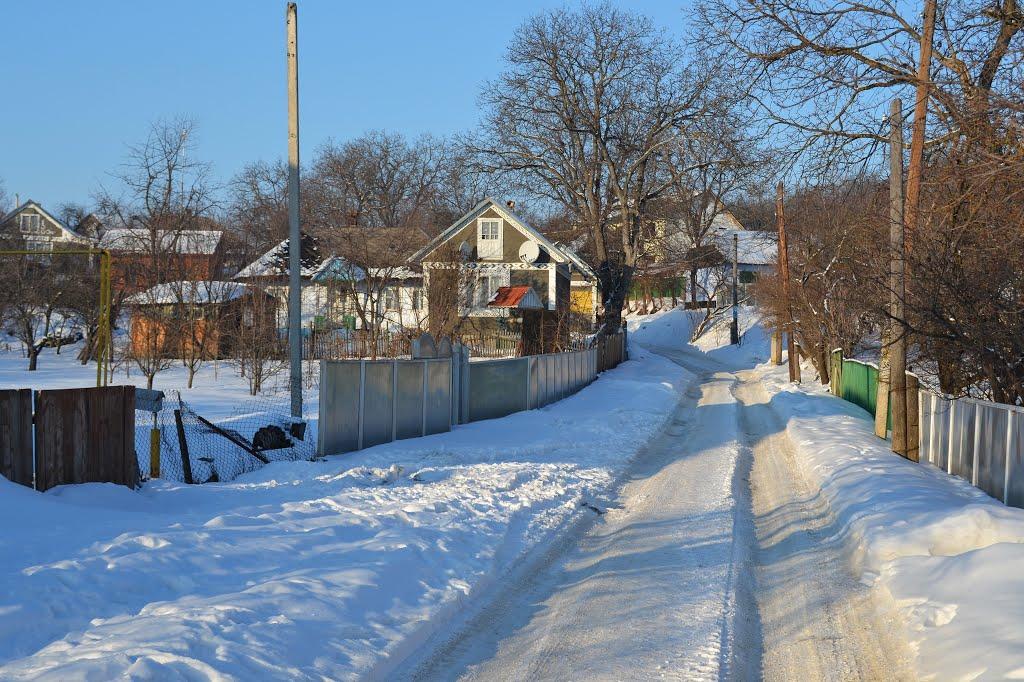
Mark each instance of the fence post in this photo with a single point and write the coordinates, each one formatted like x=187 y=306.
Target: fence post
x=949 y=441
x=530 y=360
x=394 y=399
x=913 y=407
x=186 y=463
x=976 y=446
x=1011 y=418
x=362 y=391
x=423 y=403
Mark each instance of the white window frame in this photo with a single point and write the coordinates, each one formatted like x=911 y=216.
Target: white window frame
x=491 y=247
x=32 y=225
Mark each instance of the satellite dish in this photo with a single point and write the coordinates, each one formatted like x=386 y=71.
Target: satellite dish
x=465 y=249
x=529 y=252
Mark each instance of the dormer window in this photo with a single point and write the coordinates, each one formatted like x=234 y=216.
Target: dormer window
x=29 y=222
x=488 y=238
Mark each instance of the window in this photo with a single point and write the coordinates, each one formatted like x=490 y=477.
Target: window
x=486 y=288
x=488 y=243
x=391 y=298
x=30 y=222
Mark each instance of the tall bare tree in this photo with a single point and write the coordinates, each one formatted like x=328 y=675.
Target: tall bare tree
x=584 y=116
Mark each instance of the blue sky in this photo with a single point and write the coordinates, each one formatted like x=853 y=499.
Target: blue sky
x=90 y=77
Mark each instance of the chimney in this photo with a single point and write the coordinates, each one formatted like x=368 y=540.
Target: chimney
x=17 y=201
x=511 y=205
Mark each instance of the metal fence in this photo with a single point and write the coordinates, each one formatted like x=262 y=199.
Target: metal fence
x=368 y=402
x=500 y=387
x=979 y=441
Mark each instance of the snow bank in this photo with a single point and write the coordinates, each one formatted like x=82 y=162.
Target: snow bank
x=307 y=570
x=673 y=327
x=943 y=554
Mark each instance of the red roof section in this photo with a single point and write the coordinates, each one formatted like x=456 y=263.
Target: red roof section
x=508 y=297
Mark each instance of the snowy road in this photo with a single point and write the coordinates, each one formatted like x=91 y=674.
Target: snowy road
x=715 y=563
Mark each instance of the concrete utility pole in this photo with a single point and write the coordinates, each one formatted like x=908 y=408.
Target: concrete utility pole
x=734 y=330
x=780 y=223
x=294 y=231
x=898 y=342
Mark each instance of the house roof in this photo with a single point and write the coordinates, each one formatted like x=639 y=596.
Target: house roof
x=190 y=291
x=71 y=234
x=555 y=251
x=135 y=240
x=753 y=247
x=269 y=265
x=521 y=297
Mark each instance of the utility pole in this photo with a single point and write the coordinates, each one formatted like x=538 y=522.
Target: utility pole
x=780 y=223
x=294 y=231
x=734 y=330
x=897 y=290
x=916 y=168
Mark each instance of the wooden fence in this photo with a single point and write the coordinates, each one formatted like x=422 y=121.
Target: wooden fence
x=80 y=435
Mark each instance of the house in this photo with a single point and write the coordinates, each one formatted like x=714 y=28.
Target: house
x=207 y=319
x=673 y=256
x=382 y=297
x=365 y=282
x=270 y=273
x=490 y=247
x=31 y=227
x=142 y=258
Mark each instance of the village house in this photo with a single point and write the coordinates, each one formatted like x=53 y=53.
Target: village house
x=195 y=317
x=365 y=282
x=490 y=248
x=142 y=258
x=667 y=270
x=31 y=227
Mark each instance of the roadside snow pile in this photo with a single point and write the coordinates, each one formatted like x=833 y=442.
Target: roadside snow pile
x=946 y=556
x=673 y=327
x=307 y=570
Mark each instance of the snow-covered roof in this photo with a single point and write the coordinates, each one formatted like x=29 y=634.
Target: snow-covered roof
x=754 y=247
x=134 y=240
x=269 y=265
x=189 y=291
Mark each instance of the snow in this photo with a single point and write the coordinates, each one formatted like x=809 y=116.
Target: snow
x=181 y=241
x=945 y=557
x=309 y=570
x=190 y=291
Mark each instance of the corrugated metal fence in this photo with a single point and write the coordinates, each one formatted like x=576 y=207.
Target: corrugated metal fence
x=368 y=402
x=979 y=441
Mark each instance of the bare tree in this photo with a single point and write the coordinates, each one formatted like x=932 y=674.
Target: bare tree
x=584 y=116
x=166 y=193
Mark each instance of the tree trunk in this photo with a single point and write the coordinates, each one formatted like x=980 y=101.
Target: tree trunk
x=149 y=381
x=33 y=355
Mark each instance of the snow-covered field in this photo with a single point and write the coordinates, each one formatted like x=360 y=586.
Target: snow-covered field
x=303 y=570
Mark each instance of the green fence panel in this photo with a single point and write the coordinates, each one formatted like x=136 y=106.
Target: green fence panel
x=859 y=385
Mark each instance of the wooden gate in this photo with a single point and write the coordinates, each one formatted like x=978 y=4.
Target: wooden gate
x=16 y=435
x=85 y=435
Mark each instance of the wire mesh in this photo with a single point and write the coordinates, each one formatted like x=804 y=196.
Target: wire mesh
x=221 y=449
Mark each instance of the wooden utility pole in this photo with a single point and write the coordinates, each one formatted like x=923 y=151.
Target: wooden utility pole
x=780 y=224
x=734 y=330
x=915 y=169
x=897 y=289
x=294 y=231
